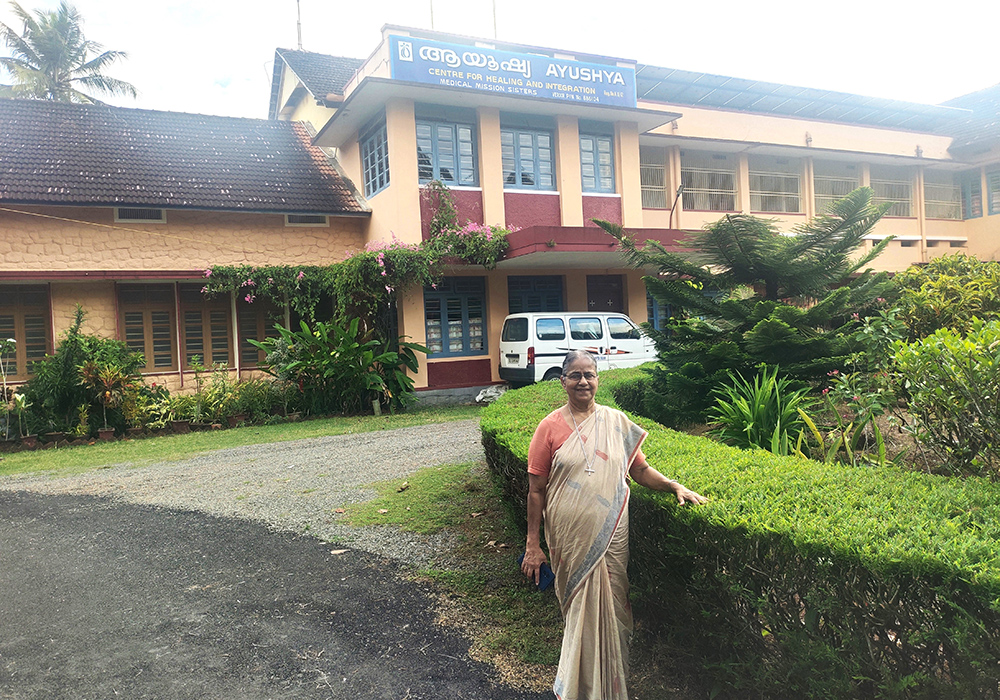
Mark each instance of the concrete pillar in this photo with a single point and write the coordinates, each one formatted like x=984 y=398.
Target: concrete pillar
x=403 y=194
x=568 y=177
x=743 y=184
x=491 y=166
x=627 y=173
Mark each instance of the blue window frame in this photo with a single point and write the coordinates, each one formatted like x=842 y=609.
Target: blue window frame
x=972 y=195
x=597 y=163
x=657 y=314
x=534 y=293
x=447 y=153
x=375 y=159
x=527 y=159
x=993 y=192
x=455 y=317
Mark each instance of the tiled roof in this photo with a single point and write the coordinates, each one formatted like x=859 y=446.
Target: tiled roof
x=58 y=153
x=983 y=125
x=321 y=74
x=724 y=92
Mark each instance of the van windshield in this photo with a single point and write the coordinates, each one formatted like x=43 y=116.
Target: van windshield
x=515 y=330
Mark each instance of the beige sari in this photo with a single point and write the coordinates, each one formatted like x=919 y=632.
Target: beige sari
x=586 y=527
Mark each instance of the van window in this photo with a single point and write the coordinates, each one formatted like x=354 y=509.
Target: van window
x=622 y=329
x=550 y=329
x=585 y=329
x=515 y=330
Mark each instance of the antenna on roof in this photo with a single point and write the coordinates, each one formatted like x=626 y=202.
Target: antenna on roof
x=298 y=24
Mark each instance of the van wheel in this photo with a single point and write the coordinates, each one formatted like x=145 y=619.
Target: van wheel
x=551 y=375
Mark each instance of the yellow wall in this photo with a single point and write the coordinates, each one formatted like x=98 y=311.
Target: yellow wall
x=97 y=299
x=189 y=240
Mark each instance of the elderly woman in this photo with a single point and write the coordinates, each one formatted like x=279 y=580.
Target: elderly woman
x=578 y=461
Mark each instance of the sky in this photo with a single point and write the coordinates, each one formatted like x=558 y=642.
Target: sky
x=216 y=56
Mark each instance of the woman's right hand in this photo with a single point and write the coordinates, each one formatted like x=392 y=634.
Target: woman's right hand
x=531 y=565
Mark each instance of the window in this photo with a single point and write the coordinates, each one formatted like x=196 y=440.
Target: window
x=993 y=191
x=527 y=159
x=597 y=164
x=895 y=186
x=515 y=330
x=256 y=322
x=833 y=182
x=775 y=185
x=550 y=329
x=585 y=329
x=657 y=313
x=447 y=153
x=455 y=317
x=972 y=195
x=147 y=320
x=139 y=215
x=534 y=293
x=24 y=316
x=942 y=196
x=709 y=181
x=622 y=329
x=375 y=159
x=306 y=220
x=205 y=328
x=653 y=177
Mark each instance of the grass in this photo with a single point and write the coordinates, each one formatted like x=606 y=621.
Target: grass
x=513 y=626
x=70 y=460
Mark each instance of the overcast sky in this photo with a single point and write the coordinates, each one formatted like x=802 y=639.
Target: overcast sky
x=215 y=56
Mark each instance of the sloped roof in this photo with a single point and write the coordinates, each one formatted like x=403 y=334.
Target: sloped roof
x=982 y=125
x=58 y=153
x=321 y=74
x=724 y=92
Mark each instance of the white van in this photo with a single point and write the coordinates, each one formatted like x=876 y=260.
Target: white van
x=533 y=345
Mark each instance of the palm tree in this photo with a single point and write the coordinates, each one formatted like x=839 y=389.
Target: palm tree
x=52 y=59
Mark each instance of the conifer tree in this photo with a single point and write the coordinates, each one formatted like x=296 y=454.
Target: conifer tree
x=743 y=295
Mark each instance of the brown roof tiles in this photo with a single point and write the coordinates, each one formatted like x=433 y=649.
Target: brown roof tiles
x=58 y=153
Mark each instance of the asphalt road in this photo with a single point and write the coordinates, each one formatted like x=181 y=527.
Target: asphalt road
x=101 y=599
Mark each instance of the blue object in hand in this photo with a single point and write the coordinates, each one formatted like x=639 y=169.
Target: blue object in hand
x=545 y=575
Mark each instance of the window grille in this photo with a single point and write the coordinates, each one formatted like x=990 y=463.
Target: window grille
x=993 y=190
x=894 y=188
x=942 y=197
x=454 y=315
x=709 y=182
x=137 y=215
x=306 y=220
x=653 y=179
x=775 y=184
x=830 y=189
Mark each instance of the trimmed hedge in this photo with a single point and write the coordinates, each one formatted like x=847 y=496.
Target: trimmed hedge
x=798 y=579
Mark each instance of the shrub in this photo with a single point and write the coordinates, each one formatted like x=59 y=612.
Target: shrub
x=335 y=367
x=762 y=413
x=799 y=579
x=954 y=387
x=948 y=292
x=56 y=392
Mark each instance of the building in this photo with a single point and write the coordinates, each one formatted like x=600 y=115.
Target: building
x=536 y=138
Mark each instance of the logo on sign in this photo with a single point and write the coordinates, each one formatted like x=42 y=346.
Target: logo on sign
x=405 y=51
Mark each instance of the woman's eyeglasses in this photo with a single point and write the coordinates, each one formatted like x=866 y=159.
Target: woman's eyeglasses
x=577 y=376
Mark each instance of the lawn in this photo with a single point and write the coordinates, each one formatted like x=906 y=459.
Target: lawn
x=69 y=460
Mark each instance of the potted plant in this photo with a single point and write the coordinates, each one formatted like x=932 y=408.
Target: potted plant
x=110 y=383
x=7 y=347
x=182 y=409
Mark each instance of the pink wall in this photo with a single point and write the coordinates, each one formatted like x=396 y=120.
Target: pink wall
x=604 y=208
x=468 y=204
x=524 y=210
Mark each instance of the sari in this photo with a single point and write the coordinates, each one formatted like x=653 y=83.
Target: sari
x=586 y=527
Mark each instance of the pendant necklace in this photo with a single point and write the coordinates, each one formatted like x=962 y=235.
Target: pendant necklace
x=590 y=462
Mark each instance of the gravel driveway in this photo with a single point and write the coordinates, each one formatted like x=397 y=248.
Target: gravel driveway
x=191 y=579
x=288 y=486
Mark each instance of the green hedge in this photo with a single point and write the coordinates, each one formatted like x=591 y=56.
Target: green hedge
x=798 y=579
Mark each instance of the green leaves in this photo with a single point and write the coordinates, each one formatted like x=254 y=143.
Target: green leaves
x=761 y=413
